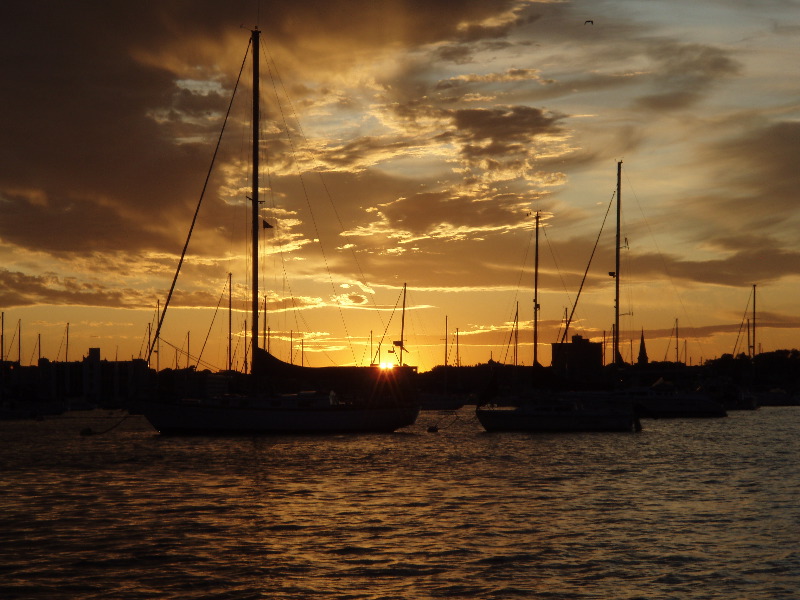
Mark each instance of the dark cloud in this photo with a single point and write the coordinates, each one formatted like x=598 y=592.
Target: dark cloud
x=506 y=138
x=749 y=210
x=71 y=225
x=456 y=53
x=444 y=215
x=513 y=124
x=365 y=151
x=19 y=289
x=685 y=73
x=98 y=125
x=478 y=31
x=760 y=168
x=739 y=269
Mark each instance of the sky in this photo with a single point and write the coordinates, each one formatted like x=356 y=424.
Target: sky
x=403 y=142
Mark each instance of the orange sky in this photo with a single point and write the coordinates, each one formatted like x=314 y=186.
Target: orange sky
x=404 y=142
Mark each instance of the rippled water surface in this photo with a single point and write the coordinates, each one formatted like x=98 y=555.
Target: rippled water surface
x=685 y=509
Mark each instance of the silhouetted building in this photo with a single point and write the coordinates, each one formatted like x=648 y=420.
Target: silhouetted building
x=580 y=360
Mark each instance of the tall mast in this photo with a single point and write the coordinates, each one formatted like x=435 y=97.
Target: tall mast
x=403 y=326
x=158 y=337
x=256 y=35
x=754 y=320
x=536 y=297
x=445 y=341
x=230 y=323
x=616 y=267
x=749 y=340
x=516 y=336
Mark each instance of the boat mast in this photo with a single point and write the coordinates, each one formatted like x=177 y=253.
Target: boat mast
x=445 y=343
x=754 y=321
x=403 y=326
x=516 y=336
x=536 y=296
x=230 y=322
x=256 y=35
x=617 y=357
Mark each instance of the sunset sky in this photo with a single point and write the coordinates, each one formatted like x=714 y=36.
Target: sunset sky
x=404 y=142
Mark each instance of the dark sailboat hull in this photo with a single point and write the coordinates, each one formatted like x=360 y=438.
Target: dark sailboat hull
x=283 y=399
x=216 y=418
x=558 y=417
x=678 y=406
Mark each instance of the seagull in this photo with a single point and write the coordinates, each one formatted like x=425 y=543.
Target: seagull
x=588 y=22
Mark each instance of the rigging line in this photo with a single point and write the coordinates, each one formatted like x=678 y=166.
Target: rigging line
x=419 y=330
x=389 y=322
x=558 y=270
x=36 y=345
x=663 y=261
x=90 y=431
x=522 y=267
x=324 y=184
x=182 y=352
x=510 y=340
x=449 y=348
x=61 y=345
x=208 y=333
x=519 y=281
x=455 y=350
x=586 y=272
x=145 y=340
x=11 y=343
x=669 y=343
x=306 y=195
x=197 y=209
x=234 y=240
x=293 y=309
x=741 y=324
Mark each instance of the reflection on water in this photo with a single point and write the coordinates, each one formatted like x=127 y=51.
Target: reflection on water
x=685 y=509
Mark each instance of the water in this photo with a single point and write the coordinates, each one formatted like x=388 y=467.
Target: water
x=685 y=509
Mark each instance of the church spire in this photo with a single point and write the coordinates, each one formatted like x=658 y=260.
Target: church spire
x=642 y=360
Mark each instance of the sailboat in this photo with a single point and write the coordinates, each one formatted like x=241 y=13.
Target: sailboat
x=660 y=400
x=554 y=411
x=277 y=397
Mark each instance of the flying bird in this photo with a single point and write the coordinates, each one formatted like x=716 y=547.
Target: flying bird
x=588 y=22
